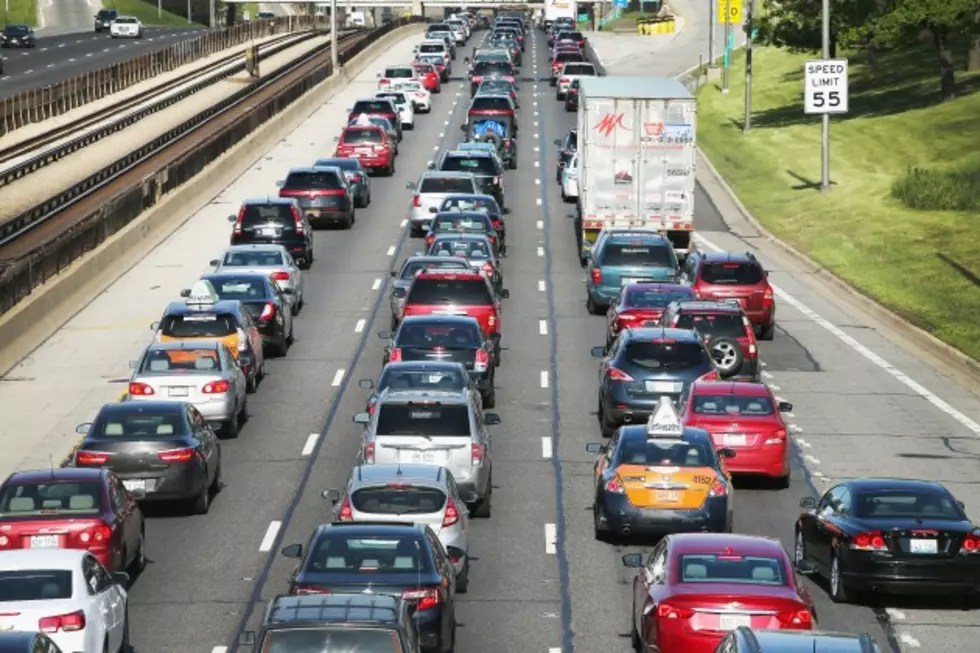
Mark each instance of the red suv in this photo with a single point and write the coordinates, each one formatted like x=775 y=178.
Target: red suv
x=458 y=293
x=725 y=330
x=370 y=145
x=731 y=276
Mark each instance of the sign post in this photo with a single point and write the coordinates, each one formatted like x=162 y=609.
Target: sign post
x=825 y=92
x=729 y=13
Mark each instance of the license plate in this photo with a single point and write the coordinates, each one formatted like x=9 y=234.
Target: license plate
x=923 y=546
x=424 y=456
x=667 y=496
x=650 y=324
x=733 y=621
x=132 y=486
x=660 y=386
x=733 y=440
x=177 y=392
x=44 y=541
x=271 y=232
x=364 y=150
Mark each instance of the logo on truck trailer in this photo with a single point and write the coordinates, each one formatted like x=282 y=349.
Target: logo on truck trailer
x=610 y=123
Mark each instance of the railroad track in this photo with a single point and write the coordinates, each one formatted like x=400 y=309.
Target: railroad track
x=193 y=83
x=32 y=230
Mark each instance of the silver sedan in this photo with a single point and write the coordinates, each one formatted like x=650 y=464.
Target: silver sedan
x=273 y=260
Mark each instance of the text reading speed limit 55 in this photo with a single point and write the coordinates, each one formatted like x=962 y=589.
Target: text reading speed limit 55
x=825 y=86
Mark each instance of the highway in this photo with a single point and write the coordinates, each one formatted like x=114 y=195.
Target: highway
x=864 y=405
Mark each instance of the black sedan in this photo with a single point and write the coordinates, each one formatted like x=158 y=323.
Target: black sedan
x=156 y=452
x=357 y=177
x=264 y=300
x=399 y=559
x=445 y=338
x=18 y=36
x=891 y=536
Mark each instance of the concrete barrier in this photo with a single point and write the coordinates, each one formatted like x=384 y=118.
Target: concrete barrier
x=37 y=317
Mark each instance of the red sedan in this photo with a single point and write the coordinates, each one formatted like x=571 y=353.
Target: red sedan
x=745 y=417
x=73 y=509
x=642 y=304
x=696 y=587
x=429 y=76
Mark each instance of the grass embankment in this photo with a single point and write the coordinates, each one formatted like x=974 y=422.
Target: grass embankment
x=920 y=262
x=19 y=12
x=147 y=13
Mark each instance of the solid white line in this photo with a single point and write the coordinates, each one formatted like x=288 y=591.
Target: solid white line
x=543 y=327
x=544 y=378
x=550 y=539
x=541 y=251
x=359 y=327
x=554 y=649
x=376 y=284
x=909 y=641
x=391 y=251
x=546 y=448
x=537 y=182
x=537 y=149
x=224 y=649
x=538 y=201
x=896 y=615
x=535 y=134
x=403 y=224
x=270 y=536
x=542 y=286
x=537 y=164
x=338 y=377
x=804 y=443
x=813 y=460
x=442 y=134
x=310 y=444
x=896 y=373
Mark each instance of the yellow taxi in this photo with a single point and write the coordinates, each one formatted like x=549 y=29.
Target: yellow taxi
x=661 y=477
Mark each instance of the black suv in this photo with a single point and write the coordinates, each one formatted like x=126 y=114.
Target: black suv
x=104 y=19
x=275 y=221
x=484 y=166
x=335 y=622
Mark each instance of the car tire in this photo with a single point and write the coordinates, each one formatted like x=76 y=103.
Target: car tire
x=768 y=332
x=600 y=534
x=125 y=646
x=463 y=580
x=348 y=222
x=360 y=202
x=218 y=482
x=202 y=503
x=838 y=592
x=512 y=164
x=593 y=308
x=231 y=428
x=280 y=348
x=490 y=399
x=483 y=509
x=733 y=355
x=635 y=640
x=782 y=482
x=138 y=563
x=251 y=385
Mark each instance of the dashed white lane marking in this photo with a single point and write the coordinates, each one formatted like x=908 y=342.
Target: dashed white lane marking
x=535 y=123
x=909 y=641
x=50 y=65
x=537 y=164
x=550 y=539
x=70 y=61
x=270 y=537
x=376 y=284
x=442 y=134
x=547 y=449
x=537 y=149
x=544 y=378
x=541 y=251
x=543 y=327
x=28 y=72
x=403 y=224
x=536 y=135
x=795 y=428
x=435 y=148
x=310 y=444
x=803 y=443
x=542 y=286
x=813 y=460
x=554 y=649
x=537 y=182
x=445 y=124
x=538 y=201
x=775 y=388
x=896 y=373
x=338 y=377
x=391 y=251
x=224 y=649
x=359 y=327
x=895 y=615
x=819 y=474
x=539 y=224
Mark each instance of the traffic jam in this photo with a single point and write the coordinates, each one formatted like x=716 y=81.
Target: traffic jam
x=682 y=410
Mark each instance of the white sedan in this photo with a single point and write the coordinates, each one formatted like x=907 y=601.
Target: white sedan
x=420 y=96
x=569 y=180
x=404 y=107
x=126 y=27
x=67 y=595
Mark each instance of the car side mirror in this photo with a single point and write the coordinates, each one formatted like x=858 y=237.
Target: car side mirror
x=727 y=453
x=466 y=59
x=633 y=560
x=384 y=335
x=505 y=293
x=598 y=352
x=378 y=75
x=506 y=211
x=362 y=418
x=83 y=428
x=785 y=407
x=214 y=262
x=247 y=638
x=411 y=185
x=154 y=326
x=232 y=218
x=431 y=165
x=808 y=502
x=594 y=447
x=279 y=183
x=367 y=384
x=292 y=551
x=587 y=255
x=121 y=578
x=766 y=272
x=333 y=496
x=336 y=139
x=961 y=504
x=491 y=419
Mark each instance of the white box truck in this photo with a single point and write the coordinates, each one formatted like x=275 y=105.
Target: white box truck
x=555 y=9
x=636 y=143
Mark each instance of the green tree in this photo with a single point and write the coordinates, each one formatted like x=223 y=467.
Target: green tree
x=796 y=24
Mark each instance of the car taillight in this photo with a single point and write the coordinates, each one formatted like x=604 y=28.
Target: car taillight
x=496 y=180
x=91 y=457
x=508 y=143
x=498 y=225
x=871 y=541
x=451 y=515
x=395 y=356
x=384 y=82
x=140 y=389
x=303 y=590
x=367 y=453
x=482 y=361
x=477 y=452
x=487 y=268
x=357 y=178
x=429 y=240
x=767 y=297
x=665 y=611
x=615 y=486
x=425 y=598
x=971 y=544
x=183 y=455
x=616 y=374
x=280 y=276
x=492 y=320
x=417 y=201
x=268 y=311
x=216 y=387
x=795 y=619
x=710 y=376
x=596 y=276
x=298 y=221
x=95 y=536
x=71 y=622
x=718 y=489
x=777 y=437
x=563 y=80
x=346 y=513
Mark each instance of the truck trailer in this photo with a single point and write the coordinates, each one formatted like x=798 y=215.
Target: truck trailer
x=636 y=143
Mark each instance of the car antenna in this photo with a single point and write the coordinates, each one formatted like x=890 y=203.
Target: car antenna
x=51 y=465
x=398 y=472
x=418 y=565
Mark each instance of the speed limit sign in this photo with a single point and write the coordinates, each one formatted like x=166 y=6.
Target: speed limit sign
x=729 y=11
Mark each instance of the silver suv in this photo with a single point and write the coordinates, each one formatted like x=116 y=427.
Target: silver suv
x=436 y=428
x=430 y=191
x=425 y=494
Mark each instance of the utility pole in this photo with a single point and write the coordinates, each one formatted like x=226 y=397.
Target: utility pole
x=334 y=62
x=159 y=8
x=728 y=36
x=189 y=21
x=825 y=137
x=748 y=67
x=211 y=16
x=712 y=12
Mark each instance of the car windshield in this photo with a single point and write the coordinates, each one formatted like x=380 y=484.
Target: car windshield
x=401 y=379
x=398 y=499
x=16 y=30
x=735 y=274
x=654 y=299
x=490 y=67
x=490 y=104
x=244 y=289
x=438 y=336
x=364 y=135
x=266 y=214
x=666 y=355
x=919 y=504
x=447 y=185
x=747 y=570
x=51 y=499
x=336 y=553
x=399 y=73
x=432 y=47
x=464 y=292
x=461 y=248
x=253 y=259
x=35 y=585
x=574 y=36
x=478 y=165
x=665 y=453
x=321 y=640
x=579 y=69
x=312 y=181
x=482 y=205
x=372 y=106
x=719 y=325
x=198 y=325
x=164 y=362
x=138 y=425
x=637 y=254
x=397 y=98
x=734 y=405
x=431 y=419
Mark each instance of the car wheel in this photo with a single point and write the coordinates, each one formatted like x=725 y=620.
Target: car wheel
x=635 y=640
x=348 y=222
x=463 y=580
x=838 y=593
x=124 y=646
x=202 y=504
x=230 y=428
x=728 y=355
x=218 y=482
x=243 y=411
x=512 y=164
x=490 y=399
x=483 y=509
x=598 y=530
x=593 y=308
x=139 y=560
x=280 y=348
x=768 y=332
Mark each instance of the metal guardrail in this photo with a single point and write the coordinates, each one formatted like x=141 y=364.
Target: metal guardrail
x=47 y=102
x=106 y=216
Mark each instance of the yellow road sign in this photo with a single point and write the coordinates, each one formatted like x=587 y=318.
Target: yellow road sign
x=730 y=11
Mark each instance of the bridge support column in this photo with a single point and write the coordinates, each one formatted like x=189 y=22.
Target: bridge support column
x=418 y=8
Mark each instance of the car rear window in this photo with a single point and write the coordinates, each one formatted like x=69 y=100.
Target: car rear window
x=654 y=299
x=490 y=67
x=490 y=104
x=362 y=640
x=449 y=222
x=719 y=325
x=569 y=56
x=138 y=425
x=432 y=61
x=421 y=379
x=666 y=355
x=446 y=185
x=399 y=73
x=906 y=504
x=644 y=254
x=35 y=585
x=242 y=288
x=253 y=259
x=492 y=57
x=480 y=204
x=414 y=267
x=344 y=163
x=438 y=420
x=51 y=499
x=267 y=214
x=402 y=500
x=734 y=405
x=579 y=69
x=575 y=36
x=478 y=165
x=665 y=453
x=432 y=47
x=312 y=181
x=424 y=68
x=371 y=106
x=397 y=98
x=180 y=361
x=362 y=136
x=735 y=274
x=748 y=570
x=465 y=292
x=495 y=86
x=451 y=246
x=438 y=335
x=198 y=325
